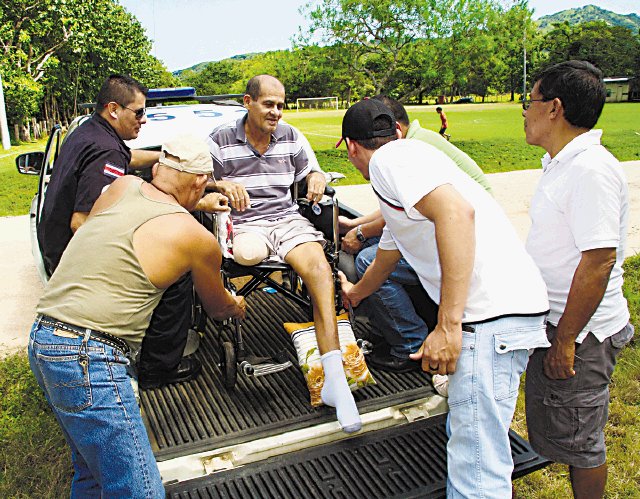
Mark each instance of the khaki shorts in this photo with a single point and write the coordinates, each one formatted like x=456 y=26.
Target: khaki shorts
x=282 y=235
x=566 y=418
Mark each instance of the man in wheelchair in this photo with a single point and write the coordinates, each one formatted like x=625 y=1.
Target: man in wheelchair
x=256 y=161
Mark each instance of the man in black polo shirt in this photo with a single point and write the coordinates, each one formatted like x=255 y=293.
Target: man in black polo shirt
x=93 y=157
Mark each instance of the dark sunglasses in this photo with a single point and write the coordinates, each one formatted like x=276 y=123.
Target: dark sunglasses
x=138 y=112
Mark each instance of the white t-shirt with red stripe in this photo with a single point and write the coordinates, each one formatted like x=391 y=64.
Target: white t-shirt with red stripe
x=505 y=280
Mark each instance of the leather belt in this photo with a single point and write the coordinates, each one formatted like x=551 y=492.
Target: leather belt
x=106 y=338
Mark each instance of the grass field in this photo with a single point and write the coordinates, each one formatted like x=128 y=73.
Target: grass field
x=492 y=134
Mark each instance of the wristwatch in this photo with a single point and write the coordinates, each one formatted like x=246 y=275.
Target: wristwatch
x=359 y=234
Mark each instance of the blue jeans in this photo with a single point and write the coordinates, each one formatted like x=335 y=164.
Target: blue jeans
x=391 y=307
x=482 y=398
x=89 y=390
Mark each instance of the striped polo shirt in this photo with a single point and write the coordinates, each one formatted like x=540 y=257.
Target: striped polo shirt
x=268 y=177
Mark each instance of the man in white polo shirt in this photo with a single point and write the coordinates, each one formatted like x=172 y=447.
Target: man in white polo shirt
x=579 y=218
x=492 y=299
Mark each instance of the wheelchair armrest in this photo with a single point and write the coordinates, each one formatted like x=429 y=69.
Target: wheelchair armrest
x=299 y=190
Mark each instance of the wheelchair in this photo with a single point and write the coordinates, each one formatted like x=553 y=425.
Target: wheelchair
x=278 y=276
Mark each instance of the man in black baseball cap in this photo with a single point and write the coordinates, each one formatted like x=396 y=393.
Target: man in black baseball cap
x=469 y=259
x=367 y=119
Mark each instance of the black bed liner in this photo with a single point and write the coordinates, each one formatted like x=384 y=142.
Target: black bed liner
x=404 y=461
x=201 y=415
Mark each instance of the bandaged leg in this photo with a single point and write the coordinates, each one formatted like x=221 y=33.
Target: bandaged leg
x=336 y=393
x=249 y=249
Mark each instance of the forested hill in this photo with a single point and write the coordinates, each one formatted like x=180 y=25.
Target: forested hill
x=590 y=13
x=201 y=65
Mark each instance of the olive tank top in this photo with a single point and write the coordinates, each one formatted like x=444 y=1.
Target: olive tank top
x=99 y=283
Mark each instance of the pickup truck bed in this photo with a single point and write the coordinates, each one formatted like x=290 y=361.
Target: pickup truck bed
x=263 y=438
x=202 y=414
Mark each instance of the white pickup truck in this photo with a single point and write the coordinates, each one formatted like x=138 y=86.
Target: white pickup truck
x=262 y=438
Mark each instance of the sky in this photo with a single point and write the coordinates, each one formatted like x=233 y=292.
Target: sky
x=187 y=32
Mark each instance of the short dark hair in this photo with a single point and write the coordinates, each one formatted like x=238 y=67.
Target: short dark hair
x=438 y=108
x=377 y=142
x=580 y=88
x=121 y=89
x=398 y=110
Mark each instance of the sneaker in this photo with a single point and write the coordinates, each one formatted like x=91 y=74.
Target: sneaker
x=441 y=384
x=187 y=370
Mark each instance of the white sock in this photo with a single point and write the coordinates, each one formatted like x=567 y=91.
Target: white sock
x=335 y=392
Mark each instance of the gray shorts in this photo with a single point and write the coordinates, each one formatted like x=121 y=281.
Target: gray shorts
x=566 y=418
x=282 y=235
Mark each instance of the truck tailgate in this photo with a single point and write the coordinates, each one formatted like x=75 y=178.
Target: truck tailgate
x=403 y=461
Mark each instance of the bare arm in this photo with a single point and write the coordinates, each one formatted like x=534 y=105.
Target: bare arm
x=587 y=289
x=205 y=271
x=454 y=220
x=373 y=228
x=141 y=158
x=346 y=224
x=378 y=272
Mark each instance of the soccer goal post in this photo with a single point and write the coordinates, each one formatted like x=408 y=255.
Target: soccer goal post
x=317 y=103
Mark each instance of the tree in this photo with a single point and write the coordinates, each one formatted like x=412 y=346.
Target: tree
x=613 y=49
x=514 y=31
x=415 y=45
x=372 y=32
x=215 y=78
x=60 y=51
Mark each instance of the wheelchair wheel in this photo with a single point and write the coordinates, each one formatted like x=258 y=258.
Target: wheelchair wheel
x=228 y=365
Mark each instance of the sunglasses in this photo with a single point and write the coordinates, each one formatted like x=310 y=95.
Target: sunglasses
x=138 y=112
x=526 y=103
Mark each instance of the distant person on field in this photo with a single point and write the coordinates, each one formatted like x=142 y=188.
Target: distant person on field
x=444 y=124
x=138 y=240
x=393 y=315
x=256 y=160
x=91 y=158
x=579 y=216
x=492 y=300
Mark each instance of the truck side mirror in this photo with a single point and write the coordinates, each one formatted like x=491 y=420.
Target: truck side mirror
x=30 y=163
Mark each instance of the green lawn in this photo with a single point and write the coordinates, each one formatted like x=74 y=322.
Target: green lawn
x=492 y=134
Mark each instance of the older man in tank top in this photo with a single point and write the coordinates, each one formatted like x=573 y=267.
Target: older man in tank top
x=97 y=306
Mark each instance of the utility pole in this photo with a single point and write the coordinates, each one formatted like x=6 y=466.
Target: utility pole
x=4 y=128
x=524 y=61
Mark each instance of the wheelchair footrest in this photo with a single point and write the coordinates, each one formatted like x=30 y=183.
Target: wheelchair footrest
x=260 y=366
x=270 y=368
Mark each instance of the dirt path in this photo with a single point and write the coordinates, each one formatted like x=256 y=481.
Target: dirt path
x=21 y=287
